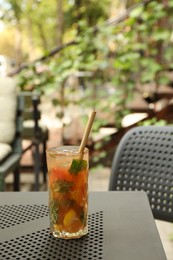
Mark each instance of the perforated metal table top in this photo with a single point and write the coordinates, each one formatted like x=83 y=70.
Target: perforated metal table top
x=121 y=227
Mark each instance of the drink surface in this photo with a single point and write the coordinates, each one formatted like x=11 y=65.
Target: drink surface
x=68 y=191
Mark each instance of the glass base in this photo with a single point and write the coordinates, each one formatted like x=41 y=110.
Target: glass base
x=67 y=235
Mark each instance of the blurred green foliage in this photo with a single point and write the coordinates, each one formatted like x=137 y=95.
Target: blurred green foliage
x=125 y=56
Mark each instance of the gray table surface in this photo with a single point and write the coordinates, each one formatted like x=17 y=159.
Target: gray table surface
x=123 y=221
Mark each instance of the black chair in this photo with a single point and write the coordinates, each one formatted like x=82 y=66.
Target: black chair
x=11 y=163
x=144 y=161
x=35 y=133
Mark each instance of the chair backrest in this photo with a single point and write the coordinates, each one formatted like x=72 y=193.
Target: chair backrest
x=17 y=143
x=144 y=161
x=31 y=111
x=30 y=98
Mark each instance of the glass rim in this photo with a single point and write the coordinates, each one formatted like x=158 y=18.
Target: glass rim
x=67 y=150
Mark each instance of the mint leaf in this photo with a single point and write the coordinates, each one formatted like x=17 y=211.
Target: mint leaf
x=62 y=186
x=53 y=213
x=77 y=166
x=83 y=217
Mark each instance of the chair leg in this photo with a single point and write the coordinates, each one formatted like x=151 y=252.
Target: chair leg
x=2 y=183
x=16 y=181
x=44 y=165
x=36 y=165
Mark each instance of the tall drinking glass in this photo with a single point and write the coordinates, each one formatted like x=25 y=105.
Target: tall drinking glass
x=68 y=191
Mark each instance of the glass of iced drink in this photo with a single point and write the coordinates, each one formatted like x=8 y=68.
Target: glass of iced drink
x=68 y=191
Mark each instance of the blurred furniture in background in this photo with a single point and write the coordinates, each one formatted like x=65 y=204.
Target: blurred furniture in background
x=11 y=108
x=144 y=161
x=36 y=133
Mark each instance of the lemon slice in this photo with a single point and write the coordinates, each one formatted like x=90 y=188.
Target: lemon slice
x=69 y=217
